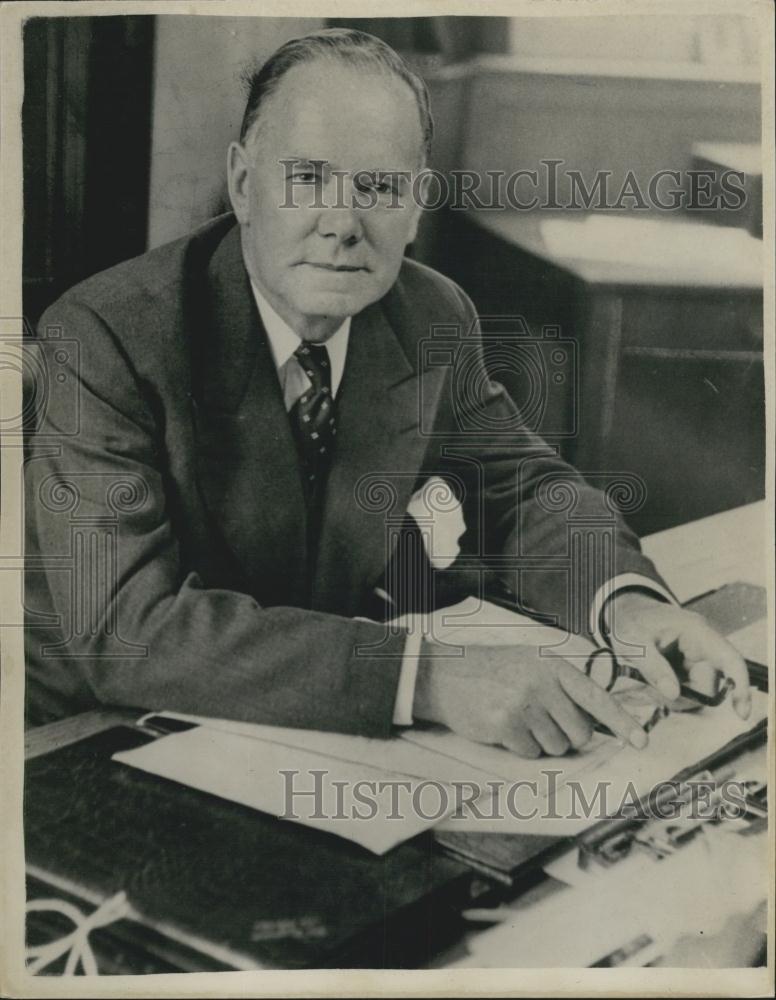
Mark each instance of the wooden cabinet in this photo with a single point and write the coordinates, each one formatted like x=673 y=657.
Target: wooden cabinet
x=668 y=325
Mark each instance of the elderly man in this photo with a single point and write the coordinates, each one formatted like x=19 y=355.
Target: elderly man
x=209 y=540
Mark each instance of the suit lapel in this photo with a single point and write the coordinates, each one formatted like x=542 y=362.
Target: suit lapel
x=248 y=470
x=379 y=453
x=247 y=463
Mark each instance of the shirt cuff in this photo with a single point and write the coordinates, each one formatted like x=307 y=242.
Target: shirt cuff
x=405 y=692
x=625 y=581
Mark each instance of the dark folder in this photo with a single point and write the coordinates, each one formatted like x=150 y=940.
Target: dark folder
x=243 y=889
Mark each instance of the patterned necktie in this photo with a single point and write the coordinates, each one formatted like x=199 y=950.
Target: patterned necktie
x=313 y=416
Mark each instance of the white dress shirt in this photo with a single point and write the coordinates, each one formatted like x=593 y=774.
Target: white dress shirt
x=294 y=383
x=283 y=342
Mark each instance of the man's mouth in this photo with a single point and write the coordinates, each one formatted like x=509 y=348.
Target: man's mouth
x=334 y=267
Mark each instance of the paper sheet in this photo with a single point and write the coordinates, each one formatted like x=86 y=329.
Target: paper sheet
x=473 y=622
x=248 y=771
x=700 y=887
x=257 y=753
x=242 y=762
x=706 y=554
x=394 y=755
x=678 y=741
x=498 y=763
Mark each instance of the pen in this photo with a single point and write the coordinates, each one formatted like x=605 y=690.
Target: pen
x=661 y=711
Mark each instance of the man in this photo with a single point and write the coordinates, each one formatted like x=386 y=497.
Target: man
x=212 y=539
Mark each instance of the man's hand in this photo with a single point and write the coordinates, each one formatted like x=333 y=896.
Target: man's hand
x=515 y=697
x=642 y=628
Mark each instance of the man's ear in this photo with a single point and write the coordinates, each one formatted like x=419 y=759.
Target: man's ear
x=238 y=179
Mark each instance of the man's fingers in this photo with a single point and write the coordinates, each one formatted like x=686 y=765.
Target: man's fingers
x=598 y=703
x=655 y=669
x=546 y=732
x=521 y=742
x=721 y=655
x=703 y=677
x=574 y=723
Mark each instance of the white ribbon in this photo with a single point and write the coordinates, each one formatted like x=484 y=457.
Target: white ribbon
x=77 y=942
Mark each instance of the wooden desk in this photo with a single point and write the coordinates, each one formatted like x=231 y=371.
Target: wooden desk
x=740 y=601
x=667 y=316
x=715 y=158
x=45 y=739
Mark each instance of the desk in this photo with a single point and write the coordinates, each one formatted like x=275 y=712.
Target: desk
x=722 y=551
x=667 y=316
x=706 y=554
x=717 y=158
x=729 y=616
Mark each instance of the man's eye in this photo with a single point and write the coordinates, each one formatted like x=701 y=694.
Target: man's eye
x=305 y=177
x=380 y=187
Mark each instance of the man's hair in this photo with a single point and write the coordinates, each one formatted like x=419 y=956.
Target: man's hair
x=348 y=46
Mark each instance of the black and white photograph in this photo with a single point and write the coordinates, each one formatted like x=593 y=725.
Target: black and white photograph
x=387 y=542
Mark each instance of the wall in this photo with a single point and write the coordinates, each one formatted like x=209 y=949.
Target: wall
x=197 y=109
x=600 y=115
x=505 y=112
x=678 y=38
x=199 y=101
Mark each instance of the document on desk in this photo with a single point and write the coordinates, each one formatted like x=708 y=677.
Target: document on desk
x=250 y=764
x=395 y=755
x=245 y=762
x=266 y=776
x=639 y=900
x=706 y=554
x=618 y=774
x=470 y=621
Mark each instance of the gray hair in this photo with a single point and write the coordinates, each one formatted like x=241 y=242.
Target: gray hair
x=354 y=48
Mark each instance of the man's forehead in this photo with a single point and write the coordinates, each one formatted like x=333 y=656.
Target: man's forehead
x=346 y=115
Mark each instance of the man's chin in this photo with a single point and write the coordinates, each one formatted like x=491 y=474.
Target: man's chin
x=341 y=304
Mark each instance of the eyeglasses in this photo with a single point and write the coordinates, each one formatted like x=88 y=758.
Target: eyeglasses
x=603 y=667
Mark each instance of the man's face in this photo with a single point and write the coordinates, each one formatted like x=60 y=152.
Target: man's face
x=328 y=256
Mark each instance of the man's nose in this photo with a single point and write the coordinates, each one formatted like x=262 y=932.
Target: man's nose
x=340 y=218
x=342 y=223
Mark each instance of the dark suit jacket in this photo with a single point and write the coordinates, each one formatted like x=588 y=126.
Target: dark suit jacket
x=169 y=565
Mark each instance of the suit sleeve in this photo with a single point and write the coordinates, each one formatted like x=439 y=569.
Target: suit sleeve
x=551 y=537
x=137 y=628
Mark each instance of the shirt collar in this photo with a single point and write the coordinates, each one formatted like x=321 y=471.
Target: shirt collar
x=283 y=341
